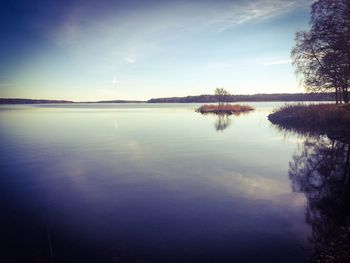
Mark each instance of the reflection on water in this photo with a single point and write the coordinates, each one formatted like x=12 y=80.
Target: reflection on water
x=146 y=183
x=223 y=122
x=320 y=169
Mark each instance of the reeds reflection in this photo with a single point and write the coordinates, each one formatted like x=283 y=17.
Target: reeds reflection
x=320 y=169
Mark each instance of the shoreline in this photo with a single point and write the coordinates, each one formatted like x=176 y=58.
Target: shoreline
x=330 y=119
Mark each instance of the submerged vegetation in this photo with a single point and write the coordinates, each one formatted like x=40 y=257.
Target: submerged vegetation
x=330 y=119
x=224 y=109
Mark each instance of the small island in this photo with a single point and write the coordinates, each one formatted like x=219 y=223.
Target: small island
x=224 y=109
x=221 y=108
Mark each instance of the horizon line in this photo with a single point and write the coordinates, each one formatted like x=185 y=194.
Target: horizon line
x=140 y=101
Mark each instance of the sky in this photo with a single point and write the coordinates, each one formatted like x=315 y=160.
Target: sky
x=104 y=50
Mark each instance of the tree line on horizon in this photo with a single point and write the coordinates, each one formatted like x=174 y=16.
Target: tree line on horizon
x=322 y=53
x=206 y=98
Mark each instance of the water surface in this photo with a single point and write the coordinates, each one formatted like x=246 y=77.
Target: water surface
x=148 y=183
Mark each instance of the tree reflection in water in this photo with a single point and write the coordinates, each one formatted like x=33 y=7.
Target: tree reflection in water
x=321 y=171
x=223 y=122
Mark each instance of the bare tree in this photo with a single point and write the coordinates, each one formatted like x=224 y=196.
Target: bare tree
x=221 y=95
x=322 y=54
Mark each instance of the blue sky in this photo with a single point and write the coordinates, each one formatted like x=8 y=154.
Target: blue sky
x=96 y=50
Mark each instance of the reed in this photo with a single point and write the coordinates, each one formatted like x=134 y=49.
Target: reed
x=332 y=119
x=224 y=109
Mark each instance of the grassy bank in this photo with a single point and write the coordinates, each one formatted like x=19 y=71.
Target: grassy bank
x=224 y=109
x=331 y=119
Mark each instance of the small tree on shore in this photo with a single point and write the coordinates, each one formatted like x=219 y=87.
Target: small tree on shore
x=221 y=95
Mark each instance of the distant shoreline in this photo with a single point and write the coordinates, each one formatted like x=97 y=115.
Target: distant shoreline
x=249 y=98
x=30 y=101
x=193 y=99
x=12 y=101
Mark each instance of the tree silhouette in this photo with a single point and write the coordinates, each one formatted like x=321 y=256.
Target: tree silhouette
x=322 y=54
x=221 y=95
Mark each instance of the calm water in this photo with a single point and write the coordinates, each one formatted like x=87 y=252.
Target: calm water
x=149 y=183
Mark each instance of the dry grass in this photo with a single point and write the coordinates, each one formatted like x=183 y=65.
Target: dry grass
x=224 y=109
x=331 y=119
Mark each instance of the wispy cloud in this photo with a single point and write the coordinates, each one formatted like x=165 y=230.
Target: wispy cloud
x=178 y=16
x=236 y=14
x=130 y=60
x=146 y=30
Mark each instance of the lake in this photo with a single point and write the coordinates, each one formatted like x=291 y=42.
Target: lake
x=150 y=183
